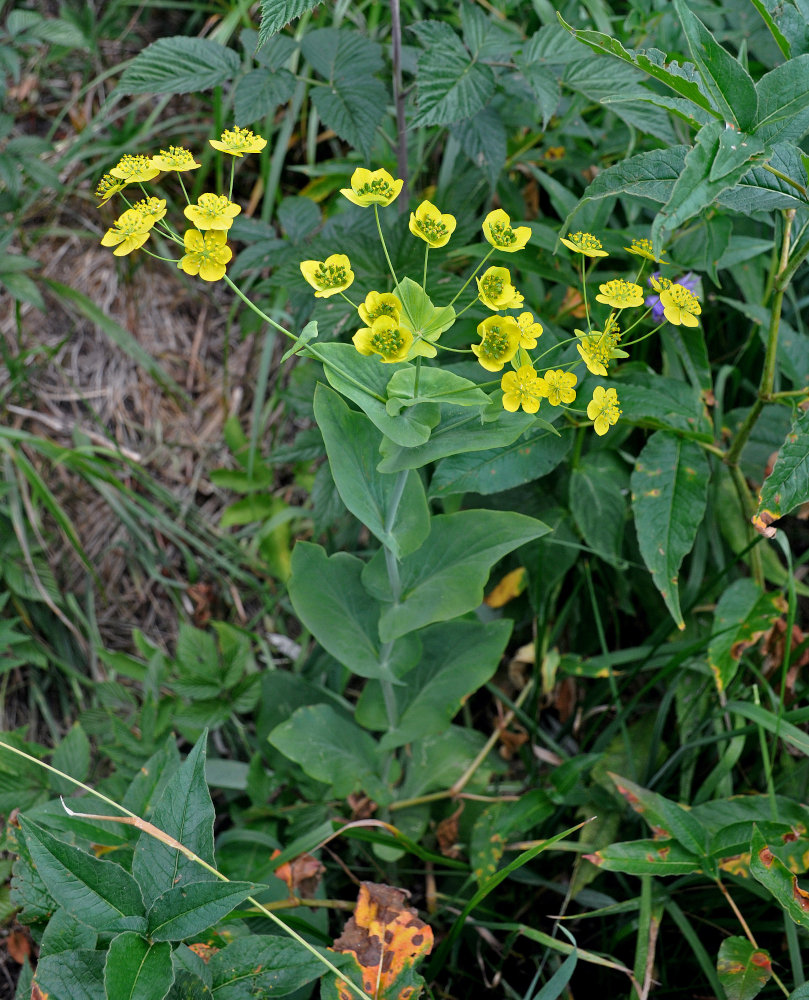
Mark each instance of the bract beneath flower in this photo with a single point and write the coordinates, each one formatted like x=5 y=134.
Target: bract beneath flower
x=206 y=254
x=500 y=342
x=431 y=226
x=212 y=211
x=372 y=187
x=498 y=231
x=238 y=141
x=328 y=277
x=387 y=337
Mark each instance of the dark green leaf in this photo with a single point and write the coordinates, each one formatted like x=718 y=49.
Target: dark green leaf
x=446 y=577
x=778 y=880
x=276 y=14
x=646 y=857
x=743 y=612
x=353 y=110
x=669 y=496
x=329 y=597
x=73 y=975
x=185 y=812
x=352 y=445
x=667 y=403
x=783 y=97
x=333 y=750
x=483 y=139
x=730 y=85
x=259 y=93
x=544 y=82
x=187 y=910
x=179 y=65
x=787 y=485
x=435 y=385
x=137 y=969
x=451 y=84
x=665 y=818
x=65 y=933
x=598 y=485
x=761 y=190
x=73 y=757
x=262 y=965
x=743 y=970
x=99 y=892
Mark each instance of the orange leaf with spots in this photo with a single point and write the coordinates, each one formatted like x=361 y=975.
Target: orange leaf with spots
x=387 y=939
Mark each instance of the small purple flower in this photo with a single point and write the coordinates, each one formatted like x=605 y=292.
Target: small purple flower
x=688 y=280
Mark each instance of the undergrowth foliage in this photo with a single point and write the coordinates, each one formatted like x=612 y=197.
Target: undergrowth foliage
x=497 y=394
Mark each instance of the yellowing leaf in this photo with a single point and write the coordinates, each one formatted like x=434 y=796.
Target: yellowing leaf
x=511 y=586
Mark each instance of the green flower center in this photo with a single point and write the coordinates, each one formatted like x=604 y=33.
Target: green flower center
x=433 y=229
x=130 y=165
x=683 y=298
x=584 y=241
x=378 y=186
x=383 y=309
x=331 y=276
x=105 y=184
x=492 y=286
x=387 y=342
x=148 y=206
x=495 y=343
x=502 y=234
x=238 y=136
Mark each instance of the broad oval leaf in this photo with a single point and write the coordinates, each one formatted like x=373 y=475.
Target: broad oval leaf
x=669 y=495
x=78 y=975
x=743 y=970
x=778 y=880
x=743 y=613
x=646 y=857
x=179 y=65
x=137 y=969
x=186 y=910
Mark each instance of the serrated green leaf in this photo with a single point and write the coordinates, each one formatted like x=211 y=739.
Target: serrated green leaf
x=787 y=485
x=332 y=749
x=646 y=857
x=544 y=82
x=328 y=596
x=179 y=65
x=259 y=92
x=354 y=110
x=669 y=495
x=743 y=613
x=743 y=970
x=72 y=975
x=446 y=577
x=597 y=501
x=65 y=933
x=100 y=893
x=185 y=812
x=262 y=965
x=187 y=910
x=352 y=446
x=276 y=14
x=719 y=159
x=483 y=138
x=451 y=84
x=73 y=757
x=730 y=85
x=778 y=880
x=137 y=969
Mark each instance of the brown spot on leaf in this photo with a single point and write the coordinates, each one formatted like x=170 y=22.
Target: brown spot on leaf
x=761 y=522
x=765 y=856
x=800 y=896
x=761 y=959
x=595 y=859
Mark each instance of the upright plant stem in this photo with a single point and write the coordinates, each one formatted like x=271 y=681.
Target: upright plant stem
x=392 y=566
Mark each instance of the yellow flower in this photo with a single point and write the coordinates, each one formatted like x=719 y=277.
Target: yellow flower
x=643 y=248
x=379 y=304
x=238 y=141
x=206 y=254
x=107 y=187
x=598 y=349
x=620 y=294
x=372 y=187
x=521 y=389
x=134 y=169
x=497 y=230
x=603 y=409
x=431 y=226
x=175 y=158
x=680 y=306
x=557 y=386
x=387 y=337
x=501 y=341
x=329 y=276
x=151 y=209
x=212 y=211
x=530 y=330
x=130 y=231
x=495 y=290
x=585 y=243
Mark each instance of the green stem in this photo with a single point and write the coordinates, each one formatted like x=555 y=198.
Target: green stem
x=251 y=305
x=384 y=245
x=472 y=275
x=392 y=567
x=424 y=279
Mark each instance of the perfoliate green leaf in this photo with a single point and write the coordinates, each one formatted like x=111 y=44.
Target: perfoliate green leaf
x=329 y=597
x=778 y=880
x=276 y=14
x=332 y=749
x=435 y=385
x=446 y=577
x=395 y=511
x=451 y=84
x=100 y=893
x=179 y=65
x=743 y=970
x=646 y=857
x=262 y=965
x=730 y=85
x=787 y=485
x=185 y=812
x=669 y=496
x=138 y=969
x=719 y=159
x=187 y=910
